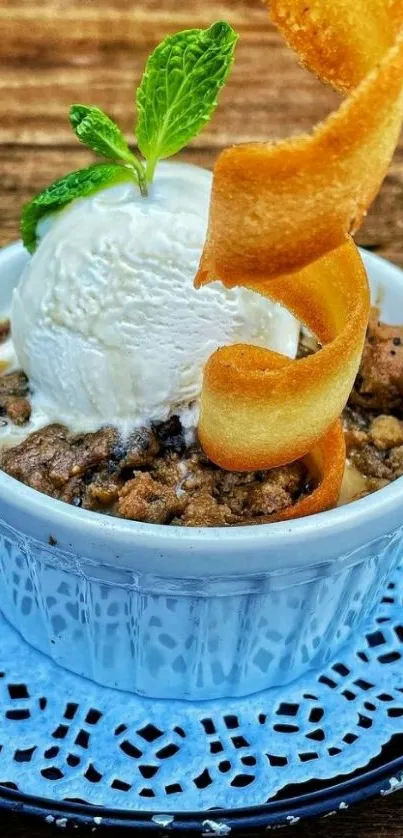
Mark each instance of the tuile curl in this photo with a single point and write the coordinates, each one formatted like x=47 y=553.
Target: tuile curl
x=281 y=219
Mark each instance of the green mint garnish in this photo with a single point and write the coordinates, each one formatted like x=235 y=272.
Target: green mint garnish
x=177 y=96
x=179 y=89
x=97 y=130
x=75 y=185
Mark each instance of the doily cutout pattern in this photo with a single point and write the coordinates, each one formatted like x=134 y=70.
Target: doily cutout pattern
x=63 y=737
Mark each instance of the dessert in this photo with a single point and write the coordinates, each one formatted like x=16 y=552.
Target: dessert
x=115 y=341
x=196 y=613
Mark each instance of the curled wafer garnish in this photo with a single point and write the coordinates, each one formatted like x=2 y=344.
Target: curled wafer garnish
x=260 y=409
x=339 y=41
x=280 y=222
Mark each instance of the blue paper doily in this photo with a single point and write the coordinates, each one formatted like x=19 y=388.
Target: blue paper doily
x=64 y=738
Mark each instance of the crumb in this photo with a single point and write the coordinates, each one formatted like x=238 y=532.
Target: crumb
x=379 y=384
x=143 y=448
x=386 y=432
x=5 y=330
x=18 y=410
x=145 y=499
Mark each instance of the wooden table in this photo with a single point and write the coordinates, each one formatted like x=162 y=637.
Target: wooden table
x=56 y=52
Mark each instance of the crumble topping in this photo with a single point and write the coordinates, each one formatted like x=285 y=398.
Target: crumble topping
x=158 y=477
x=154 y=478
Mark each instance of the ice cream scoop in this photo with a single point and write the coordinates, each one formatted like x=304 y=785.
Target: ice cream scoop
x=106 y=322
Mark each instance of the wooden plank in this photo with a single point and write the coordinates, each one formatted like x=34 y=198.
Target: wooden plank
x=267 y=96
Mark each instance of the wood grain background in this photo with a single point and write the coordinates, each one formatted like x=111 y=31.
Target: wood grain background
x=55 y=52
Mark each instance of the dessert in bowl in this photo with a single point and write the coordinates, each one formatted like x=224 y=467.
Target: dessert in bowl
x=206 y=610
x=191 y=612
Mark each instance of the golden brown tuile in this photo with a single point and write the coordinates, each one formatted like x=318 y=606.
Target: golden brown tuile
x=281 y=218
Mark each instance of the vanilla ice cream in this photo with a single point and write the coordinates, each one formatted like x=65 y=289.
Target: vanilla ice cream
x=106 y=322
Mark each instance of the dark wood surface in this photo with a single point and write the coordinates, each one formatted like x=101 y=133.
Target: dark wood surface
x=55 y=52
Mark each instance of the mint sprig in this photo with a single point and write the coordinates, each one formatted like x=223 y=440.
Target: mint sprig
x=177 y=96
x=99 y=132
x=75 y=185
x=179 y=89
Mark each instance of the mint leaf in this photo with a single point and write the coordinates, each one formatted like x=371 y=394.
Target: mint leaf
x=97 y=130
x=75 y=185
x=179 y=89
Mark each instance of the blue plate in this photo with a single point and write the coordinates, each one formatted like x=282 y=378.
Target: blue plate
x=308 y=802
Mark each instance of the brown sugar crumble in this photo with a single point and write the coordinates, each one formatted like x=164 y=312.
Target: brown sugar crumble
x=156 y=477
x=379 y=384
x=153 y=478
x=14 y=400
x=5 y=330
x=373 y=418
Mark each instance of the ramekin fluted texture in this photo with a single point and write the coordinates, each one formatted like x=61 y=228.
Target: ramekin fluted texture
x=193 y=613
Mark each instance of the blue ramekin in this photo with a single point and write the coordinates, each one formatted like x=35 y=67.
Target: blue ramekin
x=194 y=613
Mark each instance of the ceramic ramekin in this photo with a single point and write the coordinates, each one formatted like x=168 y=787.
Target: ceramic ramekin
x=194 y=613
